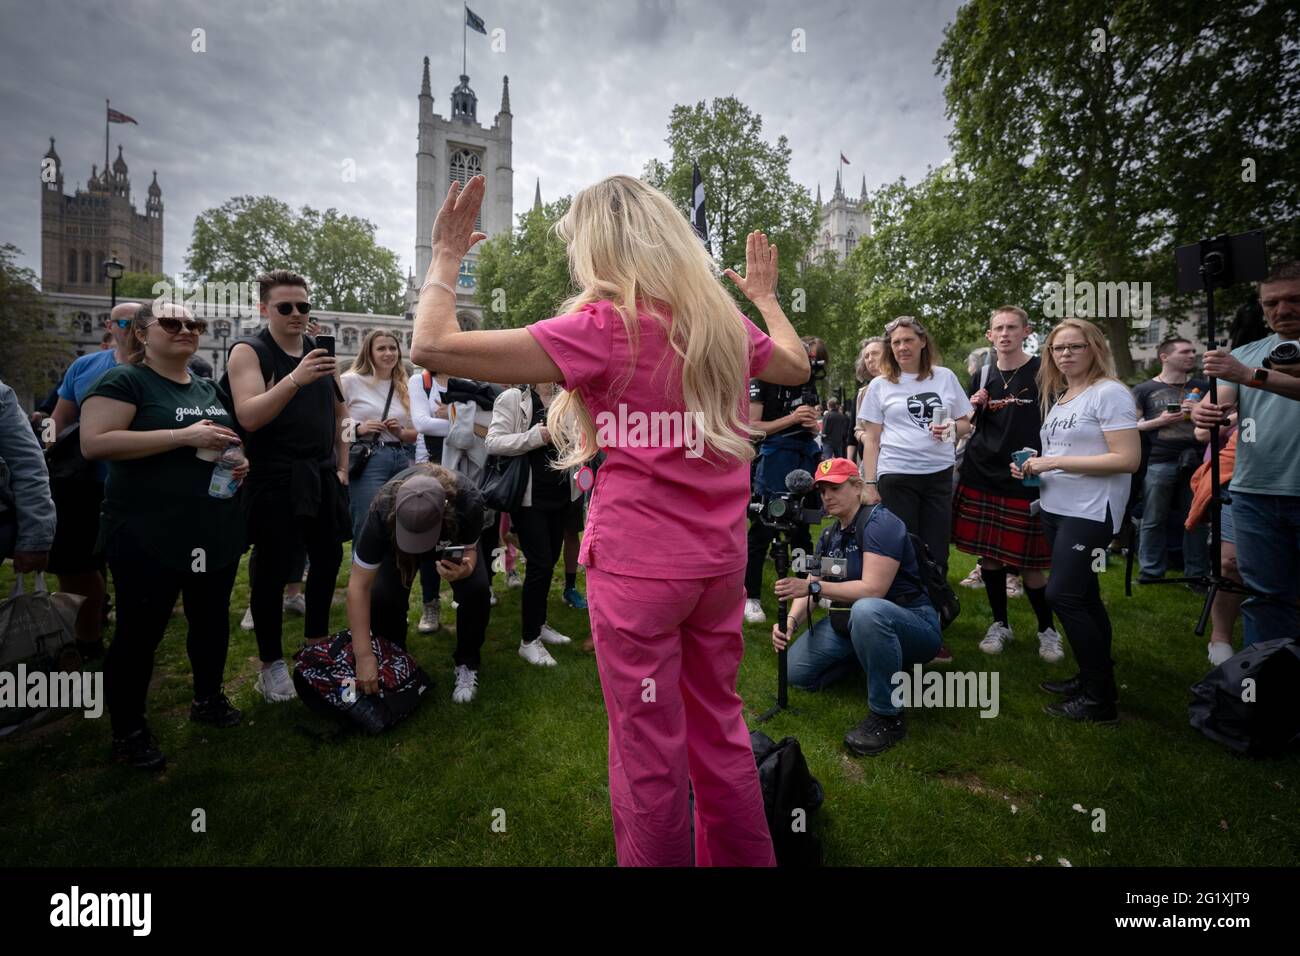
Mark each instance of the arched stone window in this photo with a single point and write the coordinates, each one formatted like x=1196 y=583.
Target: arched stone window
x=72 y=266
x=465 y=165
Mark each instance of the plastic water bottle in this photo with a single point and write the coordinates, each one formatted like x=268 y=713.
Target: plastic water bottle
x=224 y=484
x=1193 y=396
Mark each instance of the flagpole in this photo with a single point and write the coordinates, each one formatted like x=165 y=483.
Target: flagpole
x=464 y=31
x=106 y=136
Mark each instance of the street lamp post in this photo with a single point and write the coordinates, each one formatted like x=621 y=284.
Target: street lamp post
x=113 y=270
x=222 y=327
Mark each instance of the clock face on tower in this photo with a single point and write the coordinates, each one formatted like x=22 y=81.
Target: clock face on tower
x=466 y=278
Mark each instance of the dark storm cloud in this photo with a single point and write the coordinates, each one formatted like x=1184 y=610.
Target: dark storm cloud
x=288 y=92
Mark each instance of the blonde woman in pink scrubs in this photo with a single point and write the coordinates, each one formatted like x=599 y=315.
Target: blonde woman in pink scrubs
x=651 y=335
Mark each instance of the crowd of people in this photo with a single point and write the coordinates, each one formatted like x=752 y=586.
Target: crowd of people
x=160 y=479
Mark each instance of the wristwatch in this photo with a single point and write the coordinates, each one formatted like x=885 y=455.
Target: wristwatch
x=815 y=589
x=1259 y=377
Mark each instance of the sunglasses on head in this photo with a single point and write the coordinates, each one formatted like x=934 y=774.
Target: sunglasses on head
x=172 y=326
x=286 y=308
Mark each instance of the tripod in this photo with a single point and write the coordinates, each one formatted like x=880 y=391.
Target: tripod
x=1212 y=269
x=781 y=559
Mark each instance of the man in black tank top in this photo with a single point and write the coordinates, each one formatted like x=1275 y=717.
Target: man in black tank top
x=284 y=393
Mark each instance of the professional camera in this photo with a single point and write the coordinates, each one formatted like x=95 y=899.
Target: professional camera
x=791 y=509
x=807 y=394
x=1284 y=357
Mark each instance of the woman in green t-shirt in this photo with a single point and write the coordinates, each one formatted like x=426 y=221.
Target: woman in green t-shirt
x=161 y=531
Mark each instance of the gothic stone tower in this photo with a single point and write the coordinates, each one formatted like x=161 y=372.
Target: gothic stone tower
x=458 y=148
x=841 y=222
x=80 y=231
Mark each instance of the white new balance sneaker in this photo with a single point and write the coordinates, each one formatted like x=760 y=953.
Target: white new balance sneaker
x=513 y=580
x=1049 y=646
x=551 y=636
x=535 y=652
x=428 y=618
x=1219 y=651
x=296 y=603
x=246 y=623
x=466 y=685
x=275 y=683
x=996 y=638
x=754 y=611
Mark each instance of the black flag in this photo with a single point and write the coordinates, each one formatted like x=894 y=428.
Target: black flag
x=698 y=220
x=474 y=21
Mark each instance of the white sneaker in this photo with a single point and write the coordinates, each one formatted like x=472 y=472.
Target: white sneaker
x=996 y=638
x=246 y=623
x=551 y=636
x=1014 y=588
x=493 y=601
x=275 y=683
x=1049 y=646
x=1220 y=651
x=296 y=604
x=536 y=653
x=466 y=685
x=428 y=618
x=513 y=580
x=754 y=611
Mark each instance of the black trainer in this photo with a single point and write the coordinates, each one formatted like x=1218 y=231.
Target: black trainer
x=139 y=750
x=876 y=734
x=1084 y=709
x=216 y=710
x=1066 y=688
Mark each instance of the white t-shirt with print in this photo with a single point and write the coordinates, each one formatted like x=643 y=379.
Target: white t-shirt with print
x=1078 y=428
x=904 y=409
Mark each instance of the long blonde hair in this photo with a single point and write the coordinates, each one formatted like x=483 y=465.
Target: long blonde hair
x=629 y=244
x=1051 y=382
x=364 y=364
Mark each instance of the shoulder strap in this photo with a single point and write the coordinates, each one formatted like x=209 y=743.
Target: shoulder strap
x=392 y=383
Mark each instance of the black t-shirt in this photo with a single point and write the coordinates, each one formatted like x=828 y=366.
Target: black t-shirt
x=550 y=487
x=1008 y=422
x=778 y=401
x=375 y=543
x=305 y=428
x=835 y=430
x=1168 y=442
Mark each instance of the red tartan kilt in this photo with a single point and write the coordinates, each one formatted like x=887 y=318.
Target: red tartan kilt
x=992 y=526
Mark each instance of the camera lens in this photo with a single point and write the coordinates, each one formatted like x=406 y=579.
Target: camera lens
x=1285 y=353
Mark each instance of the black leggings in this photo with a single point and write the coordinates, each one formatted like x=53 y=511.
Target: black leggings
x=924 y=503
x=541 y=536
x=279 y=537
x=146 y=594
x=390 y=598
x=1075 y=596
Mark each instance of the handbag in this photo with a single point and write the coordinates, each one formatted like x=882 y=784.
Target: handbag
x=361 y=450
x=505 y=482
x=37 y=634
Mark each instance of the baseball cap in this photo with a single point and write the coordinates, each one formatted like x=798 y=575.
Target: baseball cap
x=419 y=507
x=834 y=471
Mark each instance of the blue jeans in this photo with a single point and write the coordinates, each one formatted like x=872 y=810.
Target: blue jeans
x=383 y=465
x=884 y=639
x=1167 y=488
x=778 y=455
x=1267 y=529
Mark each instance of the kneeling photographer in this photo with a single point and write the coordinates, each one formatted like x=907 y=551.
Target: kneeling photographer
x=881 y=619
x=788 y=415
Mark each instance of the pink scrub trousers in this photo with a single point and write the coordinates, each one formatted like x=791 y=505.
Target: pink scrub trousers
x=668 y=652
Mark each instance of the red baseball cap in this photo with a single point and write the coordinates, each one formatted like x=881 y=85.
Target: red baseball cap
x=835 y=471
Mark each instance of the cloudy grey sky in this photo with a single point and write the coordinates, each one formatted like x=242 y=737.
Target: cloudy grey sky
x=287 y=90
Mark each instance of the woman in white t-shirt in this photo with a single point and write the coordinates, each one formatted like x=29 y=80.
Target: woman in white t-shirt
x=376 y=393
x=1090 y=448
x=907 y=458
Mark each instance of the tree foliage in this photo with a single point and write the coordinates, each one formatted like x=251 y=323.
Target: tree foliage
x=33 y=353
x=523 y=275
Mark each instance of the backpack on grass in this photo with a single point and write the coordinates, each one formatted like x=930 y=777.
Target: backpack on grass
x=791 y=794
x=1251 y=702
x=325 y=675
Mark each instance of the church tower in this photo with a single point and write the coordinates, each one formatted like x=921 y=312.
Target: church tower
x=458 y=148
x=79 y=232
x=840 y=222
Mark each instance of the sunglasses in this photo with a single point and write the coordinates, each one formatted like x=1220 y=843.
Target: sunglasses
x=904 y=323
x=286 y=308
x=172 y=326
x=122 y=323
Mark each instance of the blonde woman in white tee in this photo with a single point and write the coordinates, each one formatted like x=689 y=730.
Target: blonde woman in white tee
x=1090 y=448
x=379 y=404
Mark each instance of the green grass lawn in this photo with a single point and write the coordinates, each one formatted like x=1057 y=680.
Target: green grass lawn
x=960 y=790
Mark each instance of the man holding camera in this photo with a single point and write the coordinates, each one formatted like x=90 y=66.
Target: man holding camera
x=1266 y=480
x=285 y=398
x=788 y=417
x=881 y=619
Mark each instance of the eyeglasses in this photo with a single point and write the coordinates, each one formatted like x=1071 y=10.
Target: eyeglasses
x=286 y=308
x=1073 y=348
x=172 y=326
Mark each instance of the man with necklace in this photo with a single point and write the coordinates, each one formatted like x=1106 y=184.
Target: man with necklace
x=993 y=515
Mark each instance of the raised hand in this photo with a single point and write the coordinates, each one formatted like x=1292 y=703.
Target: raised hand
x=453 y=230
x=759 y=280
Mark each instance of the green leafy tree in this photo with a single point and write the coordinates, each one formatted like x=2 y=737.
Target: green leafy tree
x=32 y=354
x=523 y=275
x=337 y=253
x=1109 y=132
x=139 y=286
